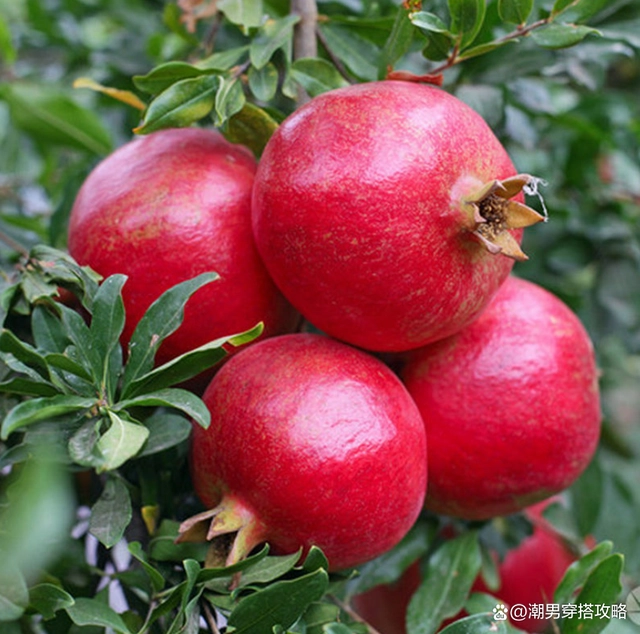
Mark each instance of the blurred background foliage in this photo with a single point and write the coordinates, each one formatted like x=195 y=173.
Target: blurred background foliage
x=568 y=115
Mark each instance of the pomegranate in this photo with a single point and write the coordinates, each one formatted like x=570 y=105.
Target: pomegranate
x=379 y=209
x=529 y=575
x=166 y=207
x=511 y=405
x=311 y=442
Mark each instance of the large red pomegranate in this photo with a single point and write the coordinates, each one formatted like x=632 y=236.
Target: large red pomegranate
x=510 y=403
x=379 y=209
x=166 y=207
x=311 y=442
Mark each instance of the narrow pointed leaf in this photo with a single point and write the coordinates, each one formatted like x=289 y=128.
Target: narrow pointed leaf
x=398 y=43
x=174 y=398
x=10 y=344
x=229 y=100
x=181 y=104
x=48 y=333
x=39 y=409
x=111 y=514
x=467 y=17
x=562 y=35
x=161 y=77
x=515 y=11
x=162 y=318
x=273 y=35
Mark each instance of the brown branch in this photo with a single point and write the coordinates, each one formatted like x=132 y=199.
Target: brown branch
x=304 y=35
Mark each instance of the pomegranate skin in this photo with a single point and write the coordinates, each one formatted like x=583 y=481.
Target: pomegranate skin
x=510 y=404
x=358 y=214
x=319 y=443
x=166 y=207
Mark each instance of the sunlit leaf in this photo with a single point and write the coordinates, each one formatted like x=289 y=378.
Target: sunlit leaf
x=121 y=441
x=125 y=96
x=230 y=100
x=273 y=35
x=558 y=35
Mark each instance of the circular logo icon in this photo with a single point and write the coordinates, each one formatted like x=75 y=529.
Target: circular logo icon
x=633 y=605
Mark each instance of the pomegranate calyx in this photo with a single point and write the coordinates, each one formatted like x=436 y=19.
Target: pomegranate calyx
x=494 y=214
x=232 y=520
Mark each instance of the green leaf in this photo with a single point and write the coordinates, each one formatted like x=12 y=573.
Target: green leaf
x=451 y=571
x=578 y=572
x=181 y=104
x=476 y=624
x=263 y=82
x=37 y=409
x=162 y=318
x=174 y=398
x=7 y=50
x=561 y=5
x=48 y=333
x=359 y=55
x=120 y=442
x=230 y=100
x=586 y=498
x=515 y=11
x=467 y=17
x=107 y=324
x=429 y=22
x=27 y=387
x=111 y=514
x=562 y=35
x=46 y=599
x=281 y=603
x=268 y=569
x=50 y=116
x=252 y=126
x=10 y=344
x=272 y=36
x=14 y=595
x=437 y=47
x=167 y=74
x=316 y=75
x=156 y=578
x=191 y=363
x=224 y=60
x=602 y=587
x=398 y=42
x=165 y=430
x=318 y=615
x=86 y=612
x=245 y=13
x=82 y=351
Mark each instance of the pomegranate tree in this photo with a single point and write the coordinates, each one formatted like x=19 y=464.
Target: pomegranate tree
x=510 y=404
x=380 y=210
x=169 y=206
x=311 y=442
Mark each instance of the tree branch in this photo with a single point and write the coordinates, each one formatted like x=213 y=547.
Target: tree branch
x=304 y=34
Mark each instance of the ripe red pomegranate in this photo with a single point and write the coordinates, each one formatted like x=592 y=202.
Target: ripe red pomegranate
x=529 y=575
x=311 y=442
x=378 y=209
x=510 y=404
x=164 y=208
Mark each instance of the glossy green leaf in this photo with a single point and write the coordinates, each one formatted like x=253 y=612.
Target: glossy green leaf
x=181 y=104
x=47 y=599
x=429 y=22
x=398 y=42
x=318 y=615
x=225 y=59
x=359 y=55
x=51 y=116
x=27 y=387
x=48 y=333
x=155 y=576
x=230 y=100
x=96 y=612
x=602 y=587
x=252 y=126
x=38 y=409
x=438 y=46
x=281 y=603
x=445 y=586
x=107 y=324
x=111 y=514
x=121 y=441
x=562 y=35
x=579 y=571
x=174 y=398
x=586 y=498
x=167 y=74
x=162 y=318
x=467 y=17
x=165 y=430
x=315 y=560
x=515 y=11
x=561 y=5
x=10 y=344
x=14 y=595
x=191 y=363
x=82 y=351
x=245 y=13
x=263 y=82
x=316 y=75
x=273 y=35
x=70 y=366
x=268 y=569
